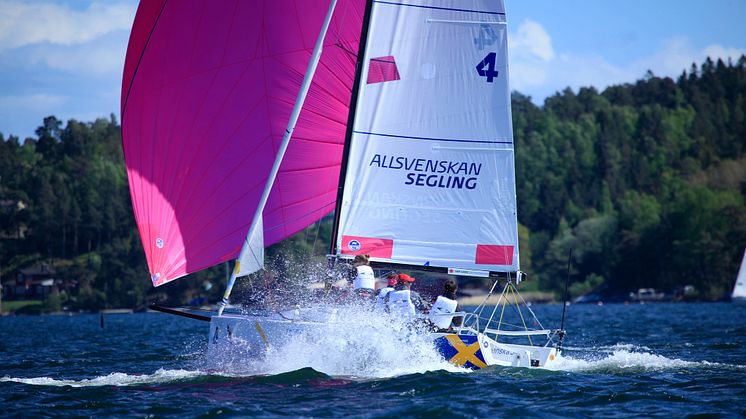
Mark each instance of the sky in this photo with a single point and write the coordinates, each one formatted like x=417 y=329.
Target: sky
x=65 y=57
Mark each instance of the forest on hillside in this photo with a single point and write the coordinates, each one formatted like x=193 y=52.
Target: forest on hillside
x=645 y=182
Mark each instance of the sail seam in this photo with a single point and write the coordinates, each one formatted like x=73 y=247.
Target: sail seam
x=421 y=6
x=455 y=140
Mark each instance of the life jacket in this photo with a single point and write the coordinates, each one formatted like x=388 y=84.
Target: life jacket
x=365 y=278
x=440 y=310
x=400 y=303
x=381 y=299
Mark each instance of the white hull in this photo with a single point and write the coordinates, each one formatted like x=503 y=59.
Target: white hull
x=234 y=335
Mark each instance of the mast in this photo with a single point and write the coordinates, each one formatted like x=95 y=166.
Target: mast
x=256 y=222
x=350 y=123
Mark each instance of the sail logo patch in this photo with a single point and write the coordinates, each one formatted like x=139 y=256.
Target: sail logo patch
x=159 y=243
x=358 y=245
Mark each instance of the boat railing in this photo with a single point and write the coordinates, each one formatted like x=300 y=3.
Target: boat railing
x=497 y=332
x=550 y=334
x=469 y=323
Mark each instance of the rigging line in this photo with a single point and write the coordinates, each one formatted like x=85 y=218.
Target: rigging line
x=481 y=306
x=316 y=238
x=381 y=60
x=500 y=322
x=525 y=304
x=494 y=310
x=520 y=313
x=305 y=235
x=345 y=49
x=336 y=29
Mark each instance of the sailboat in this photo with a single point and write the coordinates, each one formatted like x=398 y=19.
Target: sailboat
x=739 y=289
x=245 y=122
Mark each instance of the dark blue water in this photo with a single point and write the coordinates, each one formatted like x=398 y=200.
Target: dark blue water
x=651 y=360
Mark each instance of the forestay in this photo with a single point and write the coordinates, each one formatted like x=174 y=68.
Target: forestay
x=431 y=178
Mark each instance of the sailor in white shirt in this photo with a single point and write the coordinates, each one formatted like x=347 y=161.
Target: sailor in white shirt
x=380 y=303
x=364 y=281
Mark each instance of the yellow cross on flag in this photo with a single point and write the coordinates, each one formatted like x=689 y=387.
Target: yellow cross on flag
x=464 y=353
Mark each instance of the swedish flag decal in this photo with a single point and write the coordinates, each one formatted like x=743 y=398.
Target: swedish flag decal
x=461 y=350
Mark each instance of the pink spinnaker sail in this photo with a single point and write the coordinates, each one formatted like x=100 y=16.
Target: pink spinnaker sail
x=207 y=91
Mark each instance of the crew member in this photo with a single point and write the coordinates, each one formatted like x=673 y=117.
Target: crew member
x=381 y=294
x=364 y=281
x=441 y=314
x=403 y=301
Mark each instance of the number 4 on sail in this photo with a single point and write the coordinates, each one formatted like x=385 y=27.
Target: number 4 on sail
x=486 y=68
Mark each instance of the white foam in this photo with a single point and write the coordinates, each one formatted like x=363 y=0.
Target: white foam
x=621 y=357
x=360 y=343
x=113 y=379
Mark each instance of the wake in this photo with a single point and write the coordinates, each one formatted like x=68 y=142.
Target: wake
x=349 y=361
x=622 y=358
x=114 y=379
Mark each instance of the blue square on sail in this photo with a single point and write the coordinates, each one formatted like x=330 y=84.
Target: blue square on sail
x=382 y=69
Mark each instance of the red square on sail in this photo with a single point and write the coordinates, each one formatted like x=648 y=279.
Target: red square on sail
x=491 y=254
x=382 y=69
x=377 y=248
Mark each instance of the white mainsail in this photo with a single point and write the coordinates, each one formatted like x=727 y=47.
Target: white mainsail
x=739 y=290
x=430 y=178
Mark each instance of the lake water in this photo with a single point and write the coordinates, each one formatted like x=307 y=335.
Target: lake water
x=620 y=360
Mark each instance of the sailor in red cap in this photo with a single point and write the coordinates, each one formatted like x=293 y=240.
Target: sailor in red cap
x=403 y=301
